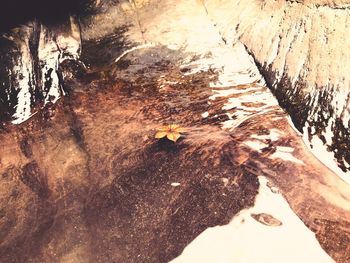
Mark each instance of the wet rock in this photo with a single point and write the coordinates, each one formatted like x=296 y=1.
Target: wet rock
x=324 y=230
x=32 y=177
x=97 y=181
x=30 y=75
x=266 y=219
x=107 y=179
x=299 y=54
x=26 y=148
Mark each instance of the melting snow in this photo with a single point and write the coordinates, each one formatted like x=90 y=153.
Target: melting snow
x=319 y=150
x=285 y=149
x=52 y=51
x=49 y=56
x=24 y=73
x=243 y=111
x=273 y=136
x=286 y=156
x=227 y=92
x=205 y=114
x=147 y=45
x=245 y=240
x=255 y=145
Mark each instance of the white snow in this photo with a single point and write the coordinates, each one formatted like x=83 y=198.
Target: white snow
x=52 y=51
x=286 y=156
x=147 y=45
x=24 y=74
x=319 y=150
x=255 y=145
x=328 y=134
x=244 y=112
x=201 y=43
x=205 y=114
x=274 y=135
x=245 y=240
x=227 y=92
x=49 y=56
x=254 y=100
x=264 y=97
x=285 y=149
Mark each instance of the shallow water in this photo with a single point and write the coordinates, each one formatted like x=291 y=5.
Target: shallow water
x=105 y=190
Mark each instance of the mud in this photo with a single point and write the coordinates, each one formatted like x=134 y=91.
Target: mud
x=86 y=181
x=90 y=177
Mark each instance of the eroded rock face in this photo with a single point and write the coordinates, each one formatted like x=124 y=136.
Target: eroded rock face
x=300 y=47
x=30 y=76
x=33 y=48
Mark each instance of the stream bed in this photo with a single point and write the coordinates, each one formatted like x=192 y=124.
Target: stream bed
x=85 y=180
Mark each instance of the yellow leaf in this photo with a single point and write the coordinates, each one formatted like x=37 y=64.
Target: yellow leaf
x=173 y=136
x=161 y=134
x=171 y=131
x=163 y=128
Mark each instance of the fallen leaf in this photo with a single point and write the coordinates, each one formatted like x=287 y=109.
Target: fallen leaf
x=172 y=132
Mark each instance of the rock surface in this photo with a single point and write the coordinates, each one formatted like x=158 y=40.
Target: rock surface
x=301 y=48
x=85 y=181
x=30 y=76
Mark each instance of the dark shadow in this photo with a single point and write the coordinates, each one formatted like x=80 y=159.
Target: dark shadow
x=17 y=12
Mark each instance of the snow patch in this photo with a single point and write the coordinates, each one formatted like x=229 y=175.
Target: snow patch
x=23 y=71
x=52 y=50
x=286 y=156
x=274 y=135
x=319 y=150
x=232 y=91
x=205 y=114
x=255 y=145
x=147 y=45
x=245 y=240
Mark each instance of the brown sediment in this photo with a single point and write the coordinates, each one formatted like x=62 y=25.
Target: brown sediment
x=89 y=183
x=85 y=180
